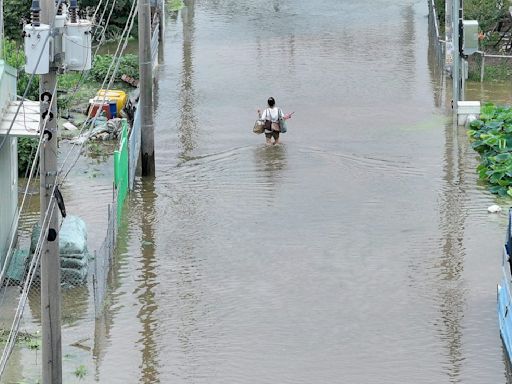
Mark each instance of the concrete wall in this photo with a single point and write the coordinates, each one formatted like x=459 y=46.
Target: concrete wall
x=8 y=164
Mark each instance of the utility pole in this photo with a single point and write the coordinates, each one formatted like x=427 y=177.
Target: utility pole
x=146 y=90
x=448 y=21
x=457 y=76
x=50 y=259
x=161 y=30
x=1 y=29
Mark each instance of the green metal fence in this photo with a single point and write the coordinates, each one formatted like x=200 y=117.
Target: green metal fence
x=121 y=169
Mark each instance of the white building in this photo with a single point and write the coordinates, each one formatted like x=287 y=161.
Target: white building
x=26 y=125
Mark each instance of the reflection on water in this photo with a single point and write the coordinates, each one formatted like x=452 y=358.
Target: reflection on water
x=187 y=123
x=451 y=261
x=145 y=292
x=75 y=304
x=271 y=159
x=353 y=252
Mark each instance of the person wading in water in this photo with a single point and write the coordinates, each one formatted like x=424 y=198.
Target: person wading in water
x=272 y=114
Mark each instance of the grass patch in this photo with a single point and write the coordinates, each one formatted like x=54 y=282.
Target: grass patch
x=28 y=340
x=175 y=5
x=80 y=371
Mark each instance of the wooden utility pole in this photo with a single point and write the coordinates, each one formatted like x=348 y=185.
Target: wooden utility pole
x=146 y=90
x=50 y=259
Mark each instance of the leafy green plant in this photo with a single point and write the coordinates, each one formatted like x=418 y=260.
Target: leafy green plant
x=491 y=137
x=128 y=65
x=488 y=12
x=81 y=371
x=175 y=5
x=15 y=57
x=34 y=344
x=26 y=150
x=15 y=12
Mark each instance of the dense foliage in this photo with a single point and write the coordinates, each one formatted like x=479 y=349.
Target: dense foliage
x=492 y=138
x=26 y=151
x=15 y=57
x=489 y=13
x=128 y=65
x=118 y=19
x=16 y=11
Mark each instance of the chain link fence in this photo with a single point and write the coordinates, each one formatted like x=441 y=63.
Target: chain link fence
x=436 y=41
x=103 y=259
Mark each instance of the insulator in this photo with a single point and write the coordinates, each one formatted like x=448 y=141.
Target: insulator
x=59 y=7
x=73 y=8
x=35 y=11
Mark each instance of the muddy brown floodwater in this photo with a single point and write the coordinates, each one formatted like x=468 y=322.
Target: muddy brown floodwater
x=358 y=251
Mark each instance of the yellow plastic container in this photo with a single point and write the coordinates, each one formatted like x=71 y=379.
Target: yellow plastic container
x=119 y=97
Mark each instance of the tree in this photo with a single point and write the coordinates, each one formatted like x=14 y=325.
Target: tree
x=15 y=12
x=489 y=13
x=18 y=11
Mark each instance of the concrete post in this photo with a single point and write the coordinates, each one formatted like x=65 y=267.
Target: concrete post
x=50 y=259
x=146 y=90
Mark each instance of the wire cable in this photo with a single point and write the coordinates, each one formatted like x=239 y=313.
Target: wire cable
x=90 y=122
x=22 y=206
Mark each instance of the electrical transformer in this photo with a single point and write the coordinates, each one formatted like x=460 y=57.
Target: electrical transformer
x=470 y=36
x=77 y=45
x=37 y=49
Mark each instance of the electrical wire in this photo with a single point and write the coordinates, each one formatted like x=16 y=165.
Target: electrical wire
x=90 y=122
x=9 y=252
x=96 y=10
x=45 y=222
x=22 y=206
x=13 y=333
x=17 y=217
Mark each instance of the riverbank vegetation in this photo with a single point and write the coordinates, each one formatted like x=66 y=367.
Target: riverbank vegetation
x=491 y=137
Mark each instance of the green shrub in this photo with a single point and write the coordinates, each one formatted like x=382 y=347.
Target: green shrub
x=26 y=152
x=175 y=5
x=491 y=137
x=15 y=57
x=129 y=65
x=15 y=11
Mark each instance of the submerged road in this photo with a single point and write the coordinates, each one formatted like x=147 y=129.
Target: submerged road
x=358 y=251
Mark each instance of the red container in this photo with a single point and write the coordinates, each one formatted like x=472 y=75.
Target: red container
x=95 y=105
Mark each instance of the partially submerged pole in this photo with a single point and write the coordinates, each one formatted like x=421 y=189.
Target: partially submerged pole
x=146 y=90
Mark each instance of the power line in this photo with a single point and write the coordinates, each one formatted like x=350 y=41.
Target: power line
x=18 y=215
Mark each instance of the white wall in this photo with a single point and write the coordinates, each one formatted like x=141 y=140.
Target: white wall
x=8 y=164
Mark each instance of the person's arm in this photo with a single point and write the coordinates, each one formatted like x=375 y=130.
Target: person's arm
x=260 y=114
x=288 y=115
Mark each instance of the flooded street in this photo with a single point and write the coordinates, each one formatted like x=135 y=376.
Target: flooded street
x=358 y=251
